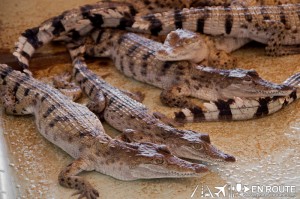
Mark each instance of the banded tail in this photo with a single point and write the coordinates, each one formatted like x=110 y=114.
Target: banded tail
x=241 y=109
x=73 y=24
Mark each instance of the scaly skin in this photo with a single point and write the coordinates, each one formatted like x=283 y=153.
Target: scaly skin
x=236 y=108
x=73 y=24
x=79 y=22
x=234 y=94
x=263 y=2
x=131 y=117
x=241 y=109
x=76 y=130
x=272 y=25
x=135 y=56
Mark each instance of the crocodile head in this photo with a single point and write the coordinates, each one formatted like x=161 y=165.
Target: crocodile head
x=131 y=161
x=183 y=45
x=182 y=143
x=241 y=83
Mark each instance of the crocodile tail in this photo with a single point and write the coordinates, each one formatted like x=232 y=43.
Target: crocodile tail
x=73 y=24
x=232 y=109
x=236 y=109
x=293 y=80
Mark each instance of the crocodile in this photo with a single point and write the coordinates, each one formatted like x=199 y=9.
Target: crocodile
x=178 y=45
x=135 y=56
x=273 y=25
x=79 y=132
x=128 y=116
x=240 y=109
x=79 y=22
x=183 y=48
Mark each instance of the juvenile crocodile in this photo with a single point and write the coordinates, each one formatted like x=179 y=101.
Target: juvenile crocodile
x=135 y=56
x=240 y=109
x=129 y=116
x=76 y=130
x=277 y=26
x=178 y=45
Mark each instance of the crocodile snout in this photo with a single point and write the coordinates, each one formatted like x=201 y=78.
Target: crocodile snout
x=200 y=168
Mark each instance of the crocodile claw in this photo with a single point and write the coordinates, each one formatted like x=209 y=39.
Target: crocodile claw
x=89 y=193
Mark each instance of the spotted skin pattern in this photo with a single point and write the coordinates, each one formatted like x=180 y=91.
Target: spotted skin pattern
x=79 y=132
x=275 y=25
x=228 y=90
x=135 y=121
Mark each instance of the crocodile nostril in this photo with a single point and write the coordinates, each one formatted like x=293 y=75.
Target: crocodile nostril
x=229 y=158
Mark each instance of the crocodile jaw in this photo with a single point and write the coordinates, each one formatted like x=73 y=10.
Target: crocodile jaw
x=262 y=90
x=173 y=168
x=210 y=154
x=148 y=171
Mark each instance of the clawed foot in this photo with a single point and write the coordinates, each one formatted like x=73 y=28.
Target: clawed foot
x=74 y=94
x=63 y=81
x=70 y=89
x=88 y=192
x=137 y=96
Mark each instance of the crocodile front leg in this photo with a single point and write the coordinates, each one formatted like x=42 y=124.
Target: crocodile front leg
x=176 y=96
x=68 y=178
x=14 y=106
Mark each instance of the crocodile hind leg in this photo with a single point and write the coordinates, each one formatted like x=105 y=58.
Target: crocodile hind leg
x=276 y=32
x=222 y=60
x=13 y=106
x=97 y=103
x=176 y=96
x=68 y=178
x=137 y=96
x=70 y=89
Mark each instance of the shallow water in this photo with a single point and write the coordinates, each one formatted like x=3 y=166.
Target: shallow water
x=267 y=149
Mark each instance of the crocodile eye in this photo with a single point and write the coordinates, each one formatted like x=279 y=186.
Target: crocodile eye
x=159 y=161
x=198 y=146
x=247 y=79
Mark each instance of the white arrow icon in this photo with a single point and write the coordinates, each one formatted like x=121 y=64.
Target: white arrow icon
x=246 y=189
